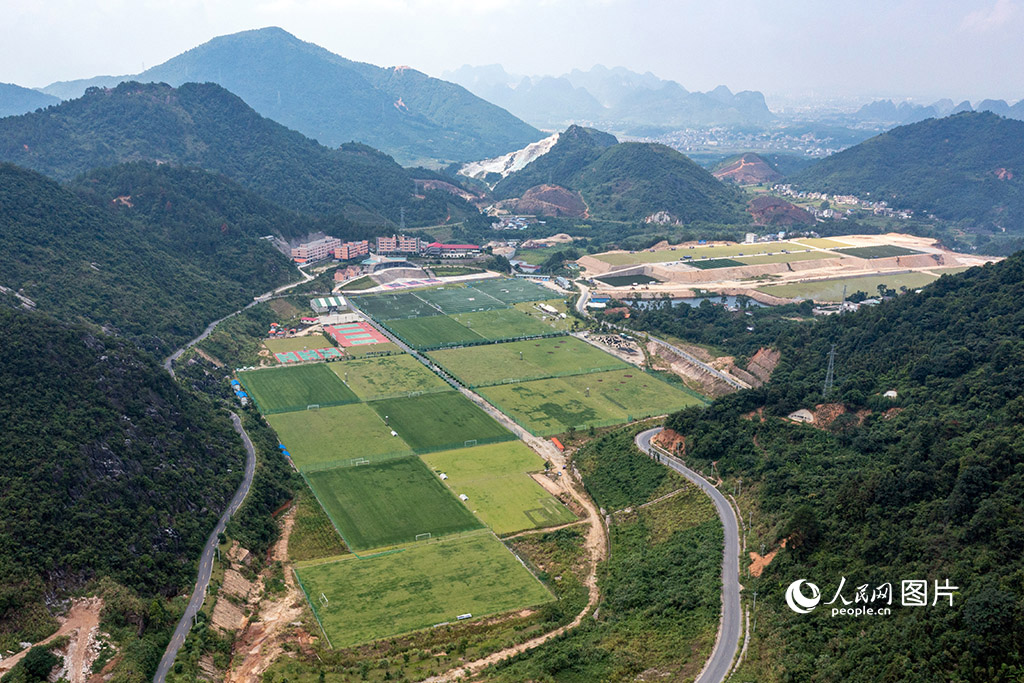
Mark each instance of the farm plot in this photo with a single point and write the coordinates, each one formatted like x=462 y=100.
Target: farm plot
x=551 y=406
x=374 y=378
x=391 y=306
x=421 y=586
x=460 y=299
x=389 y=503
x=503 y=323
x=431 y=332
x=434 y=422
x=523 y=360
x=501 y=493
x=513 y=290
x=318 y=439
x=281 y=390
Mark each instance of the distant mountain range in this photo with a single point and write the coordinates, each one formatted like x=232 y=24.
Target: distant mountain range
x=888 y=112
x=615 y=99
x=401 y=111
x=967 y=167
x=618 y=181
x=17 y=100
x=204 y=125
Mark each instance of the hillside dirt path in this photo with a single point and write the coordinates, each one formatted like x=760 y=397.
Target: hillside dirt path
x=82 y=624
x=596 y=545
x=260 y=643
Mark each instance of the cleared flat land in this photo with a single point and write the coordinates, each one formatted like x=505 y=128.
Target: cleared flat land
x=371 y=378
x=502 y=323
x=500 y=490
x=434 y=422
x=330 y=436
x=821 y=243
x=696 y=252
x=513 y=290
x=496 y=363
x=389 y=503
x=551 y=406
x=280 y=390
x=432 y=331
x=424 y=585
x=312 y=341
x=832 y=290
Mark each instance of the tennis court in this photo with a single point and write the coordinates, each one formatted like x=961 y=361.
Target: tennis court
x=347 y=335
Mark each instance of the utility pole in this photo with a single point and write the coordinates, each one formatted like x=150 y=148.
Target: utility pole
x=830 y=373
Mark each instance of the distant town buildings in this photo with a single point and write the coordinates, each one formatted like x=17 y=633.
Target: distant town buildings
x=437 y=249
x=316 y=250
x=398 y=244
x=879 y=208
x=352 y=250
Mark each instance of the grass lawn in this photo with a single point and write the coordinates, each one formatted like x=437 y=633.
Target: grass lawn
x=389 y=306
x=879 y=251
x=538 y=256
x=513 y=290
x=821 y=243
x=317 y=438
x=500 y=491
x=458 y=299
x=434 y=422
x=389 y=503
x=280 y=390
x=432 y=331
x=551 y=406
x=312 y=341
x=364 y=282
x=696 y=252
x=503 y=323
x=384 y=376
x=493 y=364
x=556 y=323
x=832 y=290
x=417 y=588
x=370 y=349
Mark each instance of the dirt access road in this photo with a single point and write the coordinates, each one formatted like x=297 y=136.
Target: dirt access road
x=82 y=623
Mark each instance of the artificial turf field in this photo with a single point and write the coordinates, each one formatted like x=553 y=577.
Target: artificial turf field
x=421 y=586
x=280 y=390
x=330 y=436
x=432 y=331
x=382 y=376
x=877 y=251
x=496 y=363
x=513 y=290
x=501 y=492
x=551 y=406
x=460 y=299
x=389 y=503
x=390 y=306
x=439 y=421
x=503 y=323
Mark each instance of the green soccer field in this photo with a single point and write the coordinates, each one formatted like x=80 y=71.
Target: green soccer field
x=878 y=251
x=455 y=299
x=372 y=349
x=695 y=252
x=389 y=306
x=424 y=585
x=493 y=364
x=501 y=493
x=503 y=323
x=281 y=390
x=372 y=378
x=389 y=503
x=513 y=290
x=434 y=422
x=330 y=436
x=551 y=406
x=432 y=331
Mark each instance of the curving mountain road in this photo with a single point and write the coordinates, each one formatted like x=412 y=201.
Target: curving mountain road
x=720 y=662
x=206 y=559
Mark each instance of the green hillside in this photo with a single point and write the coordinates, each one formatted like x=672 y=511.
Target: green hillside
x=968 y=167
x=209 y=127
x=108 y=469
x=156 y=272
x=929 y=485
x=628 y=181
x=415 y=118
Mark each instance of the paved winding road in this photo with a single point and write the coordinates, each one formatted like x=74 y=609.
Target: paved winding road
x=718 y=666
x=206 y=560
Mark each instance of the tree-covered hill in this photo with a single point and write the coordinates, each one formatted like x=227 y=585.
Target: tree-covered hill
x=107 y=469
x=929 y=485
x=409 y=115
x=628 y=181
x=153 y=254
x=967 y=168
x=204 y=125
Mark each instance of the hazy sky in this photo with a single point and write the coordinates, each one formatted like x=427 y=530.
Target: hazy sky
x=963 y=49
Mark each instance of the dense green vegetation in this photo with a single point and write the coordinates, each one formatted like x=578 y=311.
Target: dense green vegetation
x=628 y=181
x=109 y=470
x=927 y=486
x=206 y=126
x=155 y=277
x=964 y=168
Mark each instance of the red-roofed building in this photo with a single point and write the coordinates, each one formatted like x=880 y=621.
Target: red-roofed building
x=437 y=249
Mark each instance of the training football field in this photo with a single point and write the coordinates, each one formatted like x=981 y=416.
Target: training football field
x=501 y=492
x=389 y=503
x=382 y=376
x=418 y=587
x=503 y=323
x=433 y=422
x=513 y=290
x=280 y=390
x=431 y=332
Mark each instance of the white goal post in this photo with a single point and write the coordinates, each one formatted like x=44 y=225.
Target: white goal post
x=355 y=462
x=423 y=537
x=324 y=601
x=313 y=406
